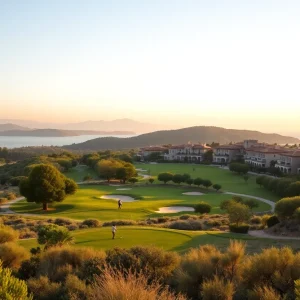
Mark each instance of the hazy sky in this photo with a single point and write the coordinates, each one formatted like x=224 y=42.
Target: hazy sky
x=228 y=63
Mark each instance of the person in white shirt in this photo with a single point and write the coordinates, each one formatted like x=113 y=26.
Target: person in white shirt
x=113 y=230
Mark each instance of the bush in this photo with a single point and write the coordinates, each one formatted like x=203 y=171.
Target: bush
x=151 y=180
x=7 y=234
x=3 y=201
x=293 y=189
x=217 y=289
x=119 y=223
x=241 y=228
x=207 y=183
x=114 y=285
x=62 y=221
x=297 y=214
x=178 y=178
x=264 y=293
x=185 y=225
x=165 y=177
x=255 y=220
x=259 y=180
x=273 y=220
x=10 y=287
x=239 y=168
x=12 y=255
x=238 y=213
x=10 y=196
x=189 y=181
x=203 y=208
x=285 y=208
x=217 y=187
x=92 y=223
x=198 y=181
x=42 y=288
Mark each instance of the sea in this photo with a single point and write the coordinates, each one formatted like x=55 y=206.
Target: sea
x=25 y=141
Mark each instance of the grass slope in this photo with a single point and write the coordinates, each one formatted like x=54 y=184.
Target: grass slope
x=87 y=203
x=175 y=240
x=230 y=181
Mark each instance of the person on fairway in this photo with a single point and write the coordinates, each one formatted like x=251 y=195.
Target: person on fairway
x=119 y=204
x=113 y=230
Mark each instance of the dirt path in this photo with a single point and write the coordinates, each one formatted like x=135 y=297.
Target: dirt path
x=271 y=203
x=5 y=208
x=262 y=234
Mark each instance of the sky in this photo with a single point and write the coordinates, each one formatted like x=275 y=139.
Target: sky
x=228 y=63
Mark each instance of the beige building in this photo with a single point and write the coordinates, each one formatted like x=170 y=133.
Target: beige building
x=289 y=162
x=226 y=153
x=146 y=151
x=187 y=153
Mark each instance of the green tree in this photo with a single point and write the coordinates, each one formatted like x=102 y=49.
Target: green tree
x=151 y=180
x=286 y=207
x=251 y=203
x=238 y=213
x=217 y=187
x=246 y=178
x=133 y=180
x=107 y=168
x=208 y=156
x=54 y=235
x=293 y=189
x=186 y=177
x=203 y=208
x=198 y=181
x=259 y=180
x=12 y=288
x=177 y=178
x=46 y=184
x=207 y=183
x=165 y=177
x=190 y=181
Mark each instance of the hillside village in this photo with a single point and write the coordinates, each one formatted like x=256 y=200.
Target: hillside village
x=256 y=154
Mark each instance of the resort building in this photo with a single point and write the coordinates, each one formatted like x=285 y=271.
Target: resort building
x=146 y=151
x=226 y=153
x=289 y=162
x=187 y=153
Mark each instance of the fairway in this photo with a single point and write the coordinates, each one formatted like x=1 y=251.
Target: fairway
x=230 y=182
x=167 y=239
x=87 y=203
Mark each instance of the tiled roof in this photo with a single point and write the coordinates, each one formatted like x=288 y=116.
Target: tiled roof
x=295 y=153
x=231 y=147
x=199 y=146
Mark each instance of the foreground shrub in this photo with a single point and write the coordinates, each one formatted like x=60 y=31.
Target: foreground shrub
x=264 y=293
x=92 y=223
x=75 y=288
x=217 y=289
x=10 y=287
x=155 y=262
x=71 y=258
x=273 y=220
x=12 y=255
x=203 y=208
x=114 y=285
x=3 y=200
x=286 y=207
x=241 y=228
x=62 y=221
x=7 y=234
x=256 y=220
x=43 y=289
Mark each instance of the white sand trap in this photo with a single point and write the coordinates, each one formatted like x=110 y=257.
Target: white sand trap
x=115 y=185
x=119 y=197
x=124 y=189
x=193 y=194
x=174 y=209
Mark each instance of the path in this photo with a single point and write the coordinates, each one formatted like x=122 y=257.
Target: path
x=271 y=203
x=262 y=234
x=5 y=208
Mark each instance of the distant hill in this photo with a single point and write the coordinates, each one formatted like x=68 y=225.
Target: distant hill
x=60 y=133
x=10 y=126
x=98 y=125
x=203 y=134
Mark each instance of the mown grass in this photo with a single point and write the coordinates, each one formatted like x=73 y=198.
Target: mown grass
x=79 y=172
x=87 y=203
x=230 y=181
x=168 y=239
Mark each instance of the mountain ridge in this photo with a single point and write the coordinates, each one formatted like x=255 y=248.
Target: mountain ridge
x=202 y=134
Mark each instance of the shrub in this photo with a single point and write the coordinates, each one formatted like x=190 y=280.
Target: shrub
x=29 y=268
x=151 y=180
x=198 y=181
x=282 y=187
x=293 y=189
x=62 y=221
x=3 y=200
x=286 y=207
x=207 y=183
x=217 y=289
x=7 y=234
x=133 y=180
x=238 y=213
x=119 y=223
x=177 y=178
x=165 y=177
x=259 y=180
x=251 y=203
x=15 y=181
x=12 y=255
x=273 y=220
x=255 y=220
x=11 y=287
x=76 y=288
x=72 y=227
x=185 y=225
x=239 y=168
x=91 y=267
x=264 y=293
x=217 y=187
x=92 y=223
x=225 y=204
x=297 y=214
x=56 y=258
x=10 y=196
x=114 y=285
x=241 y=228
x=42 y=288
x=203 y=208
x=189 y=181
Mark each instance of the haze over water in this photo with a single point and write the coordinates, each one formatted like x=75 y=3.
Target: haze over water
x=25 y=141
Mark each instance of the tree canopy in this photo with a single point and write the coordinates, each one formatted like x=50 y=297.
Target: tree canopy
x=45 y=184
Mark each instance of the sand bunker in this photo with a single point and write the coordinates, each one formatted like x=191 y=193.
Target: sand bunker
x=141 y=170
x=174 y=209
x=115 y=184
x=124 y=189
x=193 y=194
x=119 y=197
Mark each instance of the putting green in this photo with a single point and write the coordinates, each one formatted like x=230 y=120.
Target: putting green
x=87 y=203
x=168 y=239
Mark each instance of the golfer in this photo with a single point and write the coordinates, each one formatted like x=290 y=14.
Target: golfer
x=113 y=230
x=119 y=204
